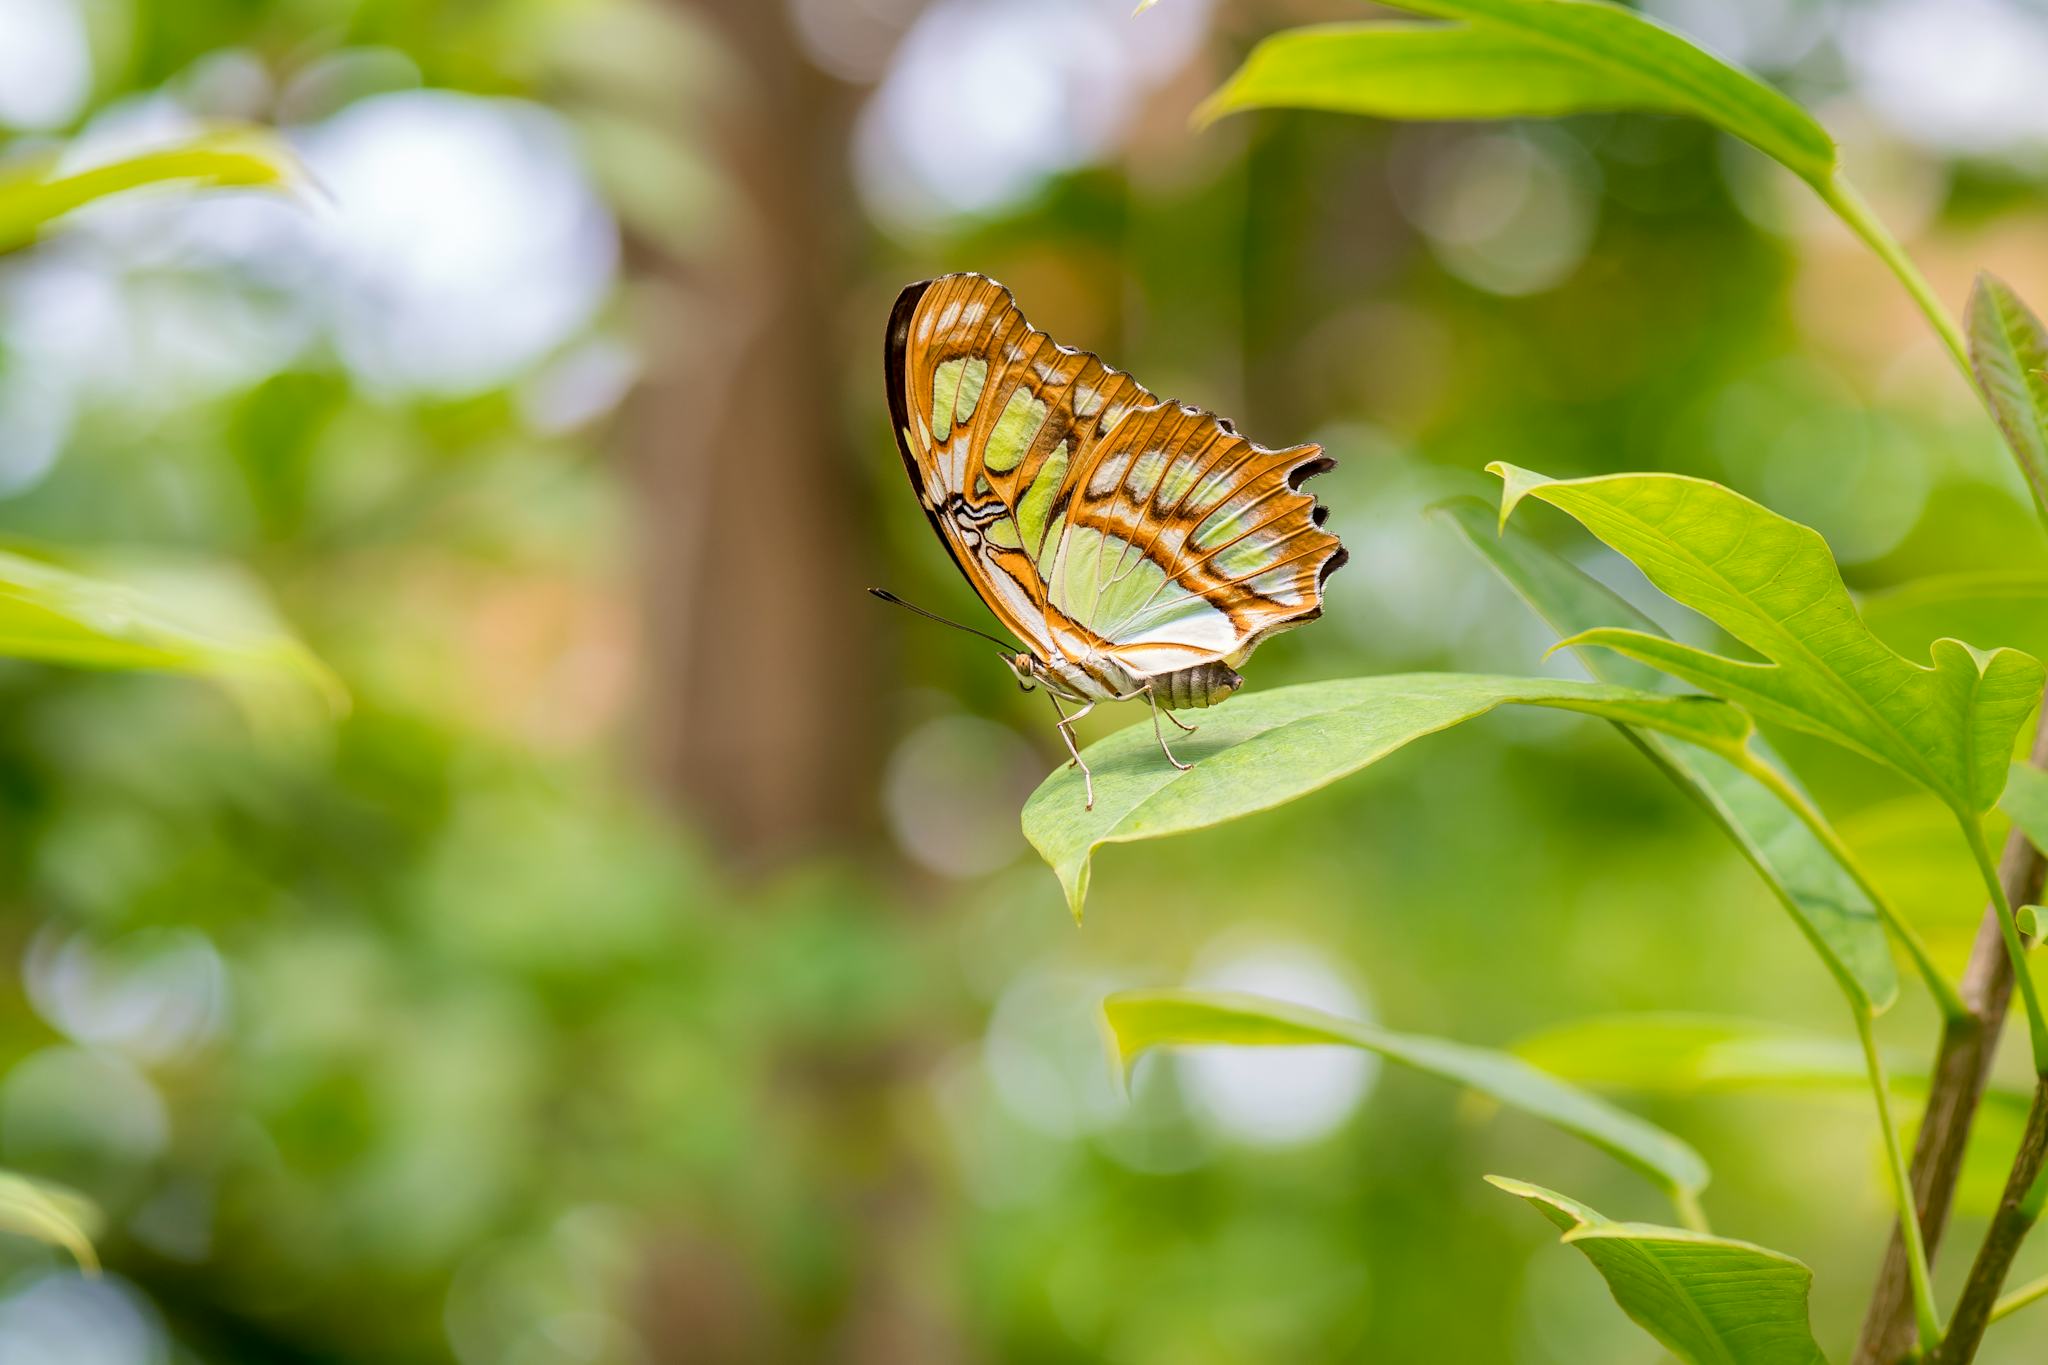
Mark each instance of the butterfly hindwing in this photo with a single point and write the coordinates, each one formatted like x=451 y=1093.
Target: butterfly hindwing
x=1093 y=518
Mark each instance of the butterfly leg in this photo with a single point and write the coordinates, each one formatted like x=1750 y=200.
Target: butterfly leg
x=1153 y=699
x=1066 y=729
x=1185 y=728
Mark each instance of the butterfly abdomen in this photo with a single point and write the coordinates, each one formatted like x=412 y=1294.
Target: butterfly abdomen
x=1203 y=685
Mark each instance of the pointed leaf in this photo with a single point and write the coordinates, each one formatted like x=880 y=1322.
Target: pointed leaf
x=1709 y=1300
x=1269 y=748
x=2008 y=351
x=49 y=1213
x=1425 y=71
x=1772 y=584
x=245 y=157
x=1597 y=52
x=1140 y=1020
x=1824 y=900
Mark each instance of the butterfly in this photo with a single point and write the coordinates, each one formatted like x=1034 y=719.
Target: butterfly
x=1139 y=547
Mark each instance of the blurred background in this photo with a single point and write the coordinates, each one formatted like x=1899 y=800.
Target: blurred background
x=649 y=967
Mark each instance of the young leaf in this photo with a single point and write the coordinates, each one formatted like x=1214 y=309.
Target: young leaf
x=2008 y=351
x=1549 y=57
x=1424 y=71
x=2026 y=801
x=1708 y=1300
x=1269 y=748
x=1141 y=1020
x=207 y=624
x=1824 y=900
x=49 y=1213
x=1772 y=584
x=32 y=195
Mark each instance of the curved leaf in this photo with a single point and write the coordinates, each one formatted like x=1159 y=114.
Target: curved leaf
x=1709 y=1300
x=1424 y=71
x=1264 y=750
x=1824 y=900
x=2008 y=352
x=1773 y=585
x=247 y=157
x=207 y=623
x=49 y=1213
x=1141 y=1020
x=1544 y=51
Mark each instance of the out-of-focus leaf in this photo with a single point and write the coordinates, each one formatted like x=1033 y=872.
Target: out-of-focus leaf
x=2026 y=801
x=1141 y=1020
x=1773 y=585
x=244 y=157
x=207 y=623
x=1683 y=1053
x=49 y=1213
x=1709 y=1300
x=1425 y=71
x=1598 y=51
x=1269 y=748
x=1824 y=900
x=2008 y=351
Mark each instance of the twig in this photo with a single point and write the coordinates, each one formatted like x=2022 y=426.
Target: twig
x=2018 y=1209
x=1962 y=1068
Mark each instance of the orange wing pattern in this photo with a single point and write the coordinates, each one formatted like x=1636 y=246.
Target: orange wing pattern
x=1109 y=530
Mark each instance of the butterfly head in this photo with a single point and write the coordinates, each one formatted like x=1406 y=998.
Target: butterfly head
x=1025 y=667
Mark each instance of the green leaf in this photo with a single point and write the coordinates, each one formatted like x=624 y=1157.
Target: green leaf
x=2026 y=801
x=1688 y=1053
x=1709 y=1300
x=2008 y=352
x=1824 y=900
x=209 y=623
x=247 y=157
x=1540 y=57
x=1269 y=748
x=51 y=1214
x=1424 y=71
x=1141 y=1020
x=1772 y=584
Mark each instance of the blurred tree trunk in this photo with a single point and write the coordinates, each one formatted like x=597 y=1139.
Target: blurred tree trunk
x=762 y=686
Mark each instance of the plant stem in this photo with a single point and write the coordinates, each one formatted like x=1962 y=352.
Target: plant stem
x=1690 y=1215
x=1945 y=997
x=2031 y=1292
x=1924 y=1311
x=1838 y=194
x=2009 y=930
x=1956 y=1083
x=2018 y=1209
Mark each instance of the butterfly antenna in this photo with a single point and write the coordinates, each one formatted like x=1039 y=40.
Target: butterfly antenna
x=888 y=596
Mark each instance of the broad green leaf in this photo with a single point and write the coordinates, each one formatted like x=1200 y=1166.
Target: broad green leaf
x=1141 y=1020
x=2008 y=352
x=1269 y=748
x=34 y=194
x=1425 y=71
x=1772 y=584
x=2026 y=801
x=49 y=1213
x=1709 y=1300
x=1824 y=900
x=1594 y=50
x=202 y=623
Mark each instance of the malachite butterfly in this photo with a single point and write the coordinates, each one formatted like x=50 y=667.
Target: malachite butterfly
x=1139 y=547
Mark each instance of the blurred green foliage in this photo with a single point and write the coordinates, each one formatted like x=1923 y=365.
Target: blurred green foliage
x=430 y=1036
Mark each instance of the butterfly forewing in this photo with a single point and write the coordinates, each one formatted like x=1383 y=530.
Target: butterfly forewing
x=1095 y=520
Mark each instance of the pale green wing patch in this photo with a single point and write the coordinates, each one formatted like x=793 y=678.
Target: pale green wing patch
x=1011 y=436
x=1034 y=509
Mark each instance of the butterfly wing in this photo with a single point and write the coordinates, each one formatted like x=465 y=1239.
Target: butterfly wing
x=1096 y=521
x=992 y=416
